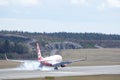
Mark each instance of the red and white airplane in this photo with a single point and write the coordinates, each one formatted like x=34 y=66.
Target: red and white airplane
x=53 y=61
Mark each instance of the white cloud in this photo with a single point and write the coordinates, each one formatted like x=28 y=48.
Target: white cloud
x=101 y=6
x=114 y=3
x=20 y=2
x=3 y=2
x=79 y=2
x=109 y=4
x=29 y=2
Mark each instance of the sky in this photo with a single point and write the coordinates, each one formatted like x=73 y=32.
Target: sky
x=99 y=16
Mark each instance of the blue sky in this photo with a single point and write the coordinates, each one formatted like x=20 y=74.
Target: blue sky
x=101 y=16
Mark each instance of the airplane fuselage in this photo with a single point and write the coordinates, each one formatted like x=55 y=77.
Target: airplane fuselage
x=51 y=60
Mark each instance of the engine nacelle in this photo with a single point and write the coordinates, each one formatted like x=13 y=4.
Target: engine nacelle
x=63 y=65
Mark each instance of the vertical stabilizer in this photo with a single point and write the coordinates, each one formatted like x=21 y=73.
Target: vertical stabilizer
x=39 y=53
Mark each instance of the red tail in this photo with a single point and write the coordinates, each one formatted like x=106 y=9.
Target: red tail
x=39 y=53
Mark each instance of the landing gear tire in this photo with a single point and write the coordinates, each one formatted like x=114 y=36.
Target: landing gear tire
x=56 y=68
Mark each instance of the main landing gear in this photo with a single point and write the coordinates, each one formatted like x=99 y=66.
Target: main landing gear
x=56 y=68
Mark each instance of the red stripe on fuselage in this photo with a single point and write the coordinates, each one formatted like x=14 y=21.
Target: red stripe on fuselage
x=45 y=63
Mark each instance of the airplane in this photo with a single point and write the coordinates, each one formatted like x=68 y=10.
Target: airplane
x=54 y=61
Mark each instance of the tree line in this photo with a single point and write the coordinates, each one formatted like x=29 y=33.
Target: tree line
x=65 y=35
x=15 y=43
x=7 y=46
x=84 y=36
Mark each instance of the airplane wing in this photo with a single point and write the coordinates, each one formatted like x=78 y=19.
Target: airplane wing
x=13 y=60
x=16 y=60
x=64 y=63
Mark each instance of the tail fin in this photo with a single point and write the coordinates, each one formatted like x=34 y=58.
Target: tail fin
x=39 y=53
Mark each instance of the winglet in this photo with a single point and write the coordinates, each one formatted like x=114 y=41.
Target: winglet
x=6 y=57
x=39 y=53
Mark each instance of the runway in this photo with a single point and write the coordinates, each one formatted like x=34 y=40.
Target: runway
x=67 y=71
